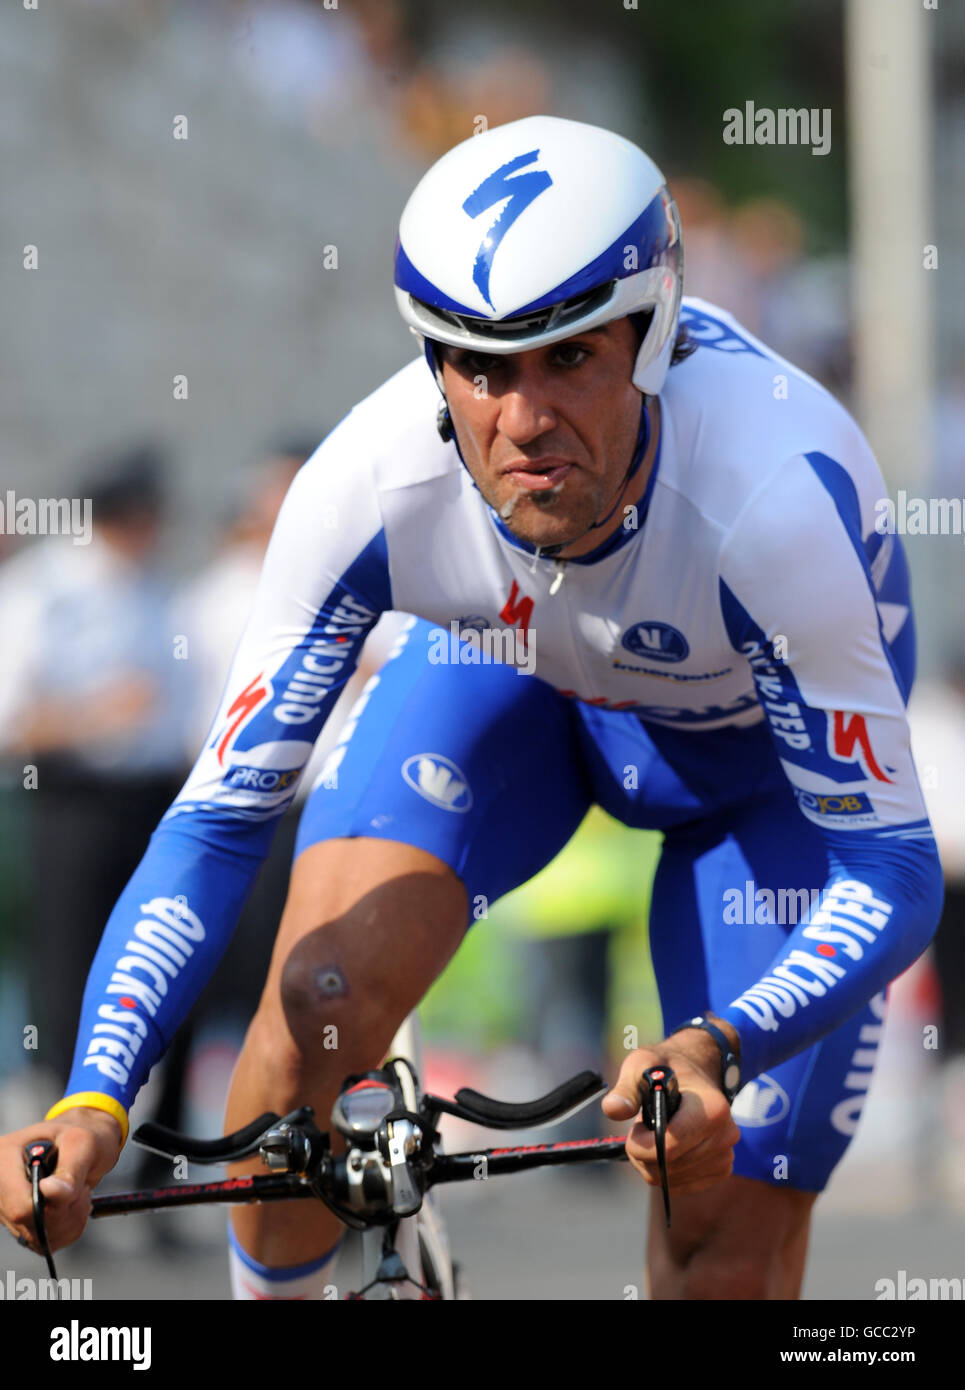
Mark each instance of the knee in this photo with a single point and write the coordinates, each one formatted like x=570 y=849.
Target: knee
x=330 y=1011
x=316 y=998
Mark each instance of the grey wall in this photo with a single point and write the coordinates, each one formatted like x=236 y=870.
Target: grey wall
x=160 y=256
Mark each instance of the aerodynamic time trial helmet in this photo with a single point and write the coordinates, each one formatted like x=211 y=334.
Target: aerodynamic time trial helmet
x=536 y=231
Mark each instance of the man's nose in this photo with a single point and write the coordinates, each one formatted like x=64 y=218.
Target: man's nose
x=525 y=413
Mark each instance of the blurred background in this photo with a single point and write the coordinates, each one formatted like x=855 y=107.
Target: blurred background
x=199 y=212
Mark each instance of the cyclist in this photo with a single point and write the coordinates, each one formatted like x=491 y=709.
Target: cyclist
x=711 y=638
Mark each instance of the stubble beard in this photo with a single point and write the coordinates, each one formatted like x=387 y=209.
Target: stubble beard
x=538 y=519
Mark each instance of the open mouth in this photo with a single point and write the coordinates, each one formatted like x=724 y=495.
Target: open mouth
x=539 y=477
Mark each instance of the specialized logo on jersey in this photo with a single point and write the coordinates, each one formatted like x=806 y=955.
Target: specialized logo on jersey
x=848 y=738
x=240 y=711
x=802 y=729
x=517 y=610
x=520 y=191
x=439 y=780
x=313 y=670
x=761 y=1102
x=656 y=641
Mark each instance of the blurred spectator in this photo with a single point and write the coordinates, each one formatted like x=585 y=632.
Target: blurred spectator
x=937 y=716
x=768 y=239
x=93 y=698
x=712 y=269
x=749 y=260
x=442 y=102
x=214 y=605
x=949 y=472
x=320 y=65
x=310 y=62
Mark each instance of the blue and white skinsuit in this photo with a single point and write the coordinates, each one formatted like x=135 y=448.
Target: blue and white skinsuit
x=731 y=667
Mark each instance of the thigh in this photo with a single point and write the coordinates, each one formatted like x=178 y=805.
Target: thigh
x=368 y=926
x=715 y=881
x=477 y=765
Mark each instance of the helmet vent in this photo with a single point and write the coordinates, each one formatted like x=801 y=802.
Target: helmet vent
x=523 y=326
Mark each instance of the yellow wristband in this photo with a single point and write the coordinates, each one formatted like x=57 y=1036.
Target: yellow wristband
x=93 y=1100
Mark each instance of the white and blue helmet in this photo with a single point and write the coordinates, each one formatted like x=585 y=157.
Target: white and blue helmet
x=535 y=231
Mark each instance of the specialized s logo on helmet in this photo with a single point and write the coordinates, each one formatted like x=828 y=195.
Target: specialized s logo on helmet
x=520 y=191
x=600 y=241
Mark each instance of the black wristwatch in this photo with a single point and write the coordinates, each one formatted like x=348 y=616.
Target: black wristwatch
x=730 y=1067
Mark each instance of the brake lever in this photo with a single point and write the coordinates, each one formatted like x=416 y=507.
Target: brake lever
x=399 y=1136
x=39 y=1161
x=659 y=1101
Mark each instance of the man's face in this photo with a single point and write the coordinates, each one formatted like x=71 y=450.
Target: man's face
x=548 y=434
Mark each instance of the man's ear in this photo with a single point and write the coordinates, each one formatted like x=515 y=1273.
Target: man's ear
x=444 y=423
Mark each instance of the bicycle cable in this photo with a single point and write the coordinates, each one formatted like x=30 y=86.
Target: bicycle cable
x=39 y=1161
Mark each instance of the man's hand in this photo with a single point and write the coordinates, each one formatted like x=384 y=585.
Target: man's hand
x=701 y=1136
x=88 y=1145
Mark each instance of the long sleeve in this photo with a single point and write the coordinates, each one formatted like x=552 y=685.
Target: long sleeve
x=823 y=617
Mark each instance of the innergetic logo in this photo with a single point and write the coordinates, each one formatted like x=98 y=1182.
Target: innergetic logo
x=520 y=191
x=439 y=780
x=656 y=642
x=761 y=1102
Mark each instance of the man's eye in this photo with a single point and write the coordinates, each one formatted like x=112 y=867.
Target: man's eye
x=479 y=362
x=571 y=354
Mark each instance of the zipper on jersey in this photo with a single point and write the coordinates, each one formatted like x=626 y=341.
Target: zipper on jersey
x=558 y=576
